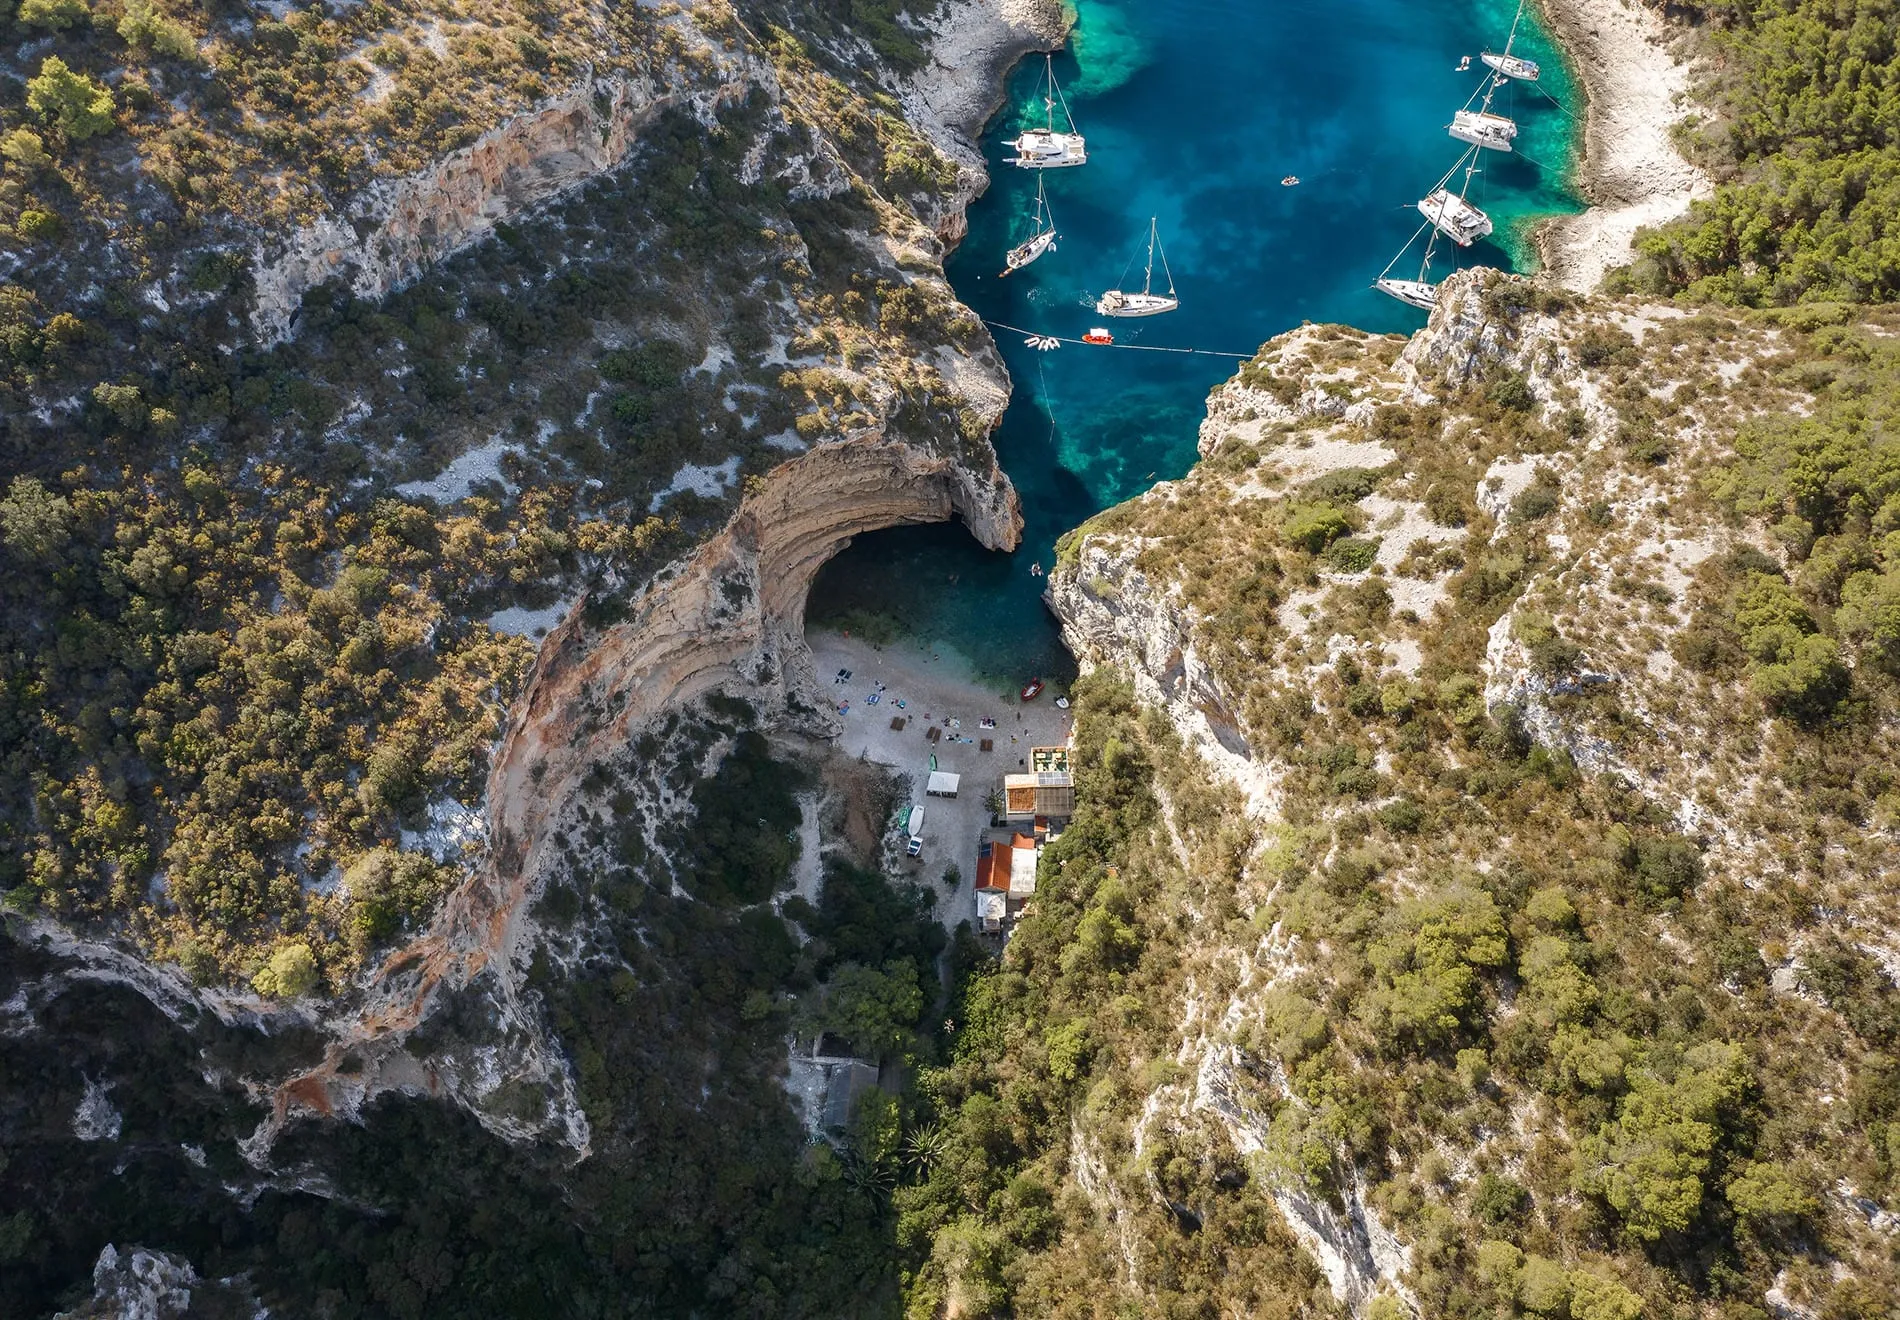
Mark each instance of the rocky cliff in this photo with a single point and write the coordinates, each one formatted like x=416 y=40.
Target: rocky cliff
x=882 y=439
x=1531 y=531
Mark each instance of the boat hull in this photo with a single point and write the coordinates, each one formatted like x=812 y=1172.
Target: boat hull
x=1137 y=304
x=1455 y=218
x=1024 y=253
x=1512 y=66
x=1415 y=293
x=1041 y=150
x=1494 y=132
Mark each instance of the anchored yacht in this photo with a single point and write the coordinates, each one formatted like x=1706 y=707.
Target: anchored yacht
x=1041 y=241
x=1512 y=66
x=1120 y=302
x=1046 y=148
x=1418 y=293
x=1482 y=128
x=1454 y=217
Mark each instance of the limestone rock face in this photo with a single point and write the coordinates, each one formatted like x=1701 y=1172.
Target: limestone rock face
x=136 y=1284
x=730 y=617
x=396 y=231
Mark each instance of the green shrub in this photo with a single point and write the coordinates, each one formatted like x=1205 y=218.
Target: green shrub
x=290 y=972
x=79 y=106
x=1314 y=527
x=54 y=15
x=1353 y=554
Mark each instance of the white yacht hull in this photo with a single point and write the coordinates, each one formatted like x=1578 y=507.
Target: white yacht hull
x=1512 y=66
x=1483 y=130
x=1040 y=149
x=1136 y=304
x=1415 y=293
x=1455 y=218
x=1024 y=253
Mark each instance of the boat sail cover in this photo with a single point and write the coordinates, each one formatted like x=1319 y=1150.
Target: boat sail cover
x=1048 y=148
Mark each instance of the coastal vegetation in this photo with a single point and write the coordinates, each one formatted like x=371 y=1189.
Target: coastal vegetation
x=250 y=680
x=1569 y=1014
x=1797 y=105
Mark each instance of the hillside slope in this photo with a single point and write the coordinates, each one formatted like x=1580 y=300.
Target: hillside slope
x=1487 y=850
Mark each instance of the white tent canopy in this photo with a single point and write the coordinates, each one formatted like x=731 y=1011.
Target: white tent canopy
x=943 y=784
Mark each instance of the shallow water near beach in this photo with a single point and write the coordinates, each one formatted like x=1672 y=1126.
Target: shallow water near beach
x=1194 y=110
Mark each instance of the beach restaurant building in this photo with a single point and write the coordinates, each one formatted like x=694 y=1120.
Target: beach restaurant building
x=1005 y=879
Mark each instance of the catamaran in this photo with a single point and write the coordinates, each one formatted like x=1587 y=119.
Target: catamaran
x=1043 y=240
x=1044 y=148
x=1482 y=128
x=1448 y=212
x=1119 y=302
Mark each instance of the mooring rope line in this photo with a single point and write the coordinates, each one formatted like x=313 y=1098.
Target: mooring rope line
x=1145 y=348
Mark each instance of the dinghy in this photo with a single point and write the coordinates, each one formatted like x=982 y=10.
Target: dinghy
x=1045 y=148
x=1043 y=240
x=1482 y=128
x=1121 y=302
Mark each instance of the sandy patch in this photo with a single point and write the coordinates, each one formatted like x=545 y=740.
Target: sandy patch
x=710 y=481
x=463 y=475
x=1632 y=174
x=522 y=622
x=935 y=686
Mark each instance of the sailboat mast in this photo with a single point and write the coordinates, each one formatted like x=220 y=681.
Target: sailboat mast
x=1049 y=93
x=1470 y=170
x=1148 y=275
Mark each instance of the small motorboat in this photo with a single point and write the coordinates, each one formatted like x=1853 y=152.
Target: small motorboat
x=1290 y=181
x=1062 y=703
x=1098 y=336
x=1032 y=689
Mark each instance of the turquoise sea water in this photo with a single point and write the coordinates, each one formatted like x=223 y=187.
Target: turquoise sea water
x=1194 y=110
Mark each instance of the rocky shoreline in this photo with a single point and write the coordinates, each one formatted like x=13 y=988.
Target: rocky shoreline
x=1631 y=173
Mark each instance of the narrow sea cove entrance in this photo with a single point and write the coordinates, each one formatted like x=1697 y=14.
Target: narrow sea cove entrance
x=1194 y=111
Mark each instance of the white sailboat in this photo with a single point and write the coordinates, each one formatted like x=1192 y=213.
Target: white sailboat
x=1043 y=240
x=1421 y=292
x=1120 y=302
x=1453 y=215
x=1512 y=66
x=1044 y=148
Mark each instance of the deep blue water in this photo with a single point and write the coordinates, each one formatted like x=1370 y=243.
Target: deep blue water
x=1194 y=110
